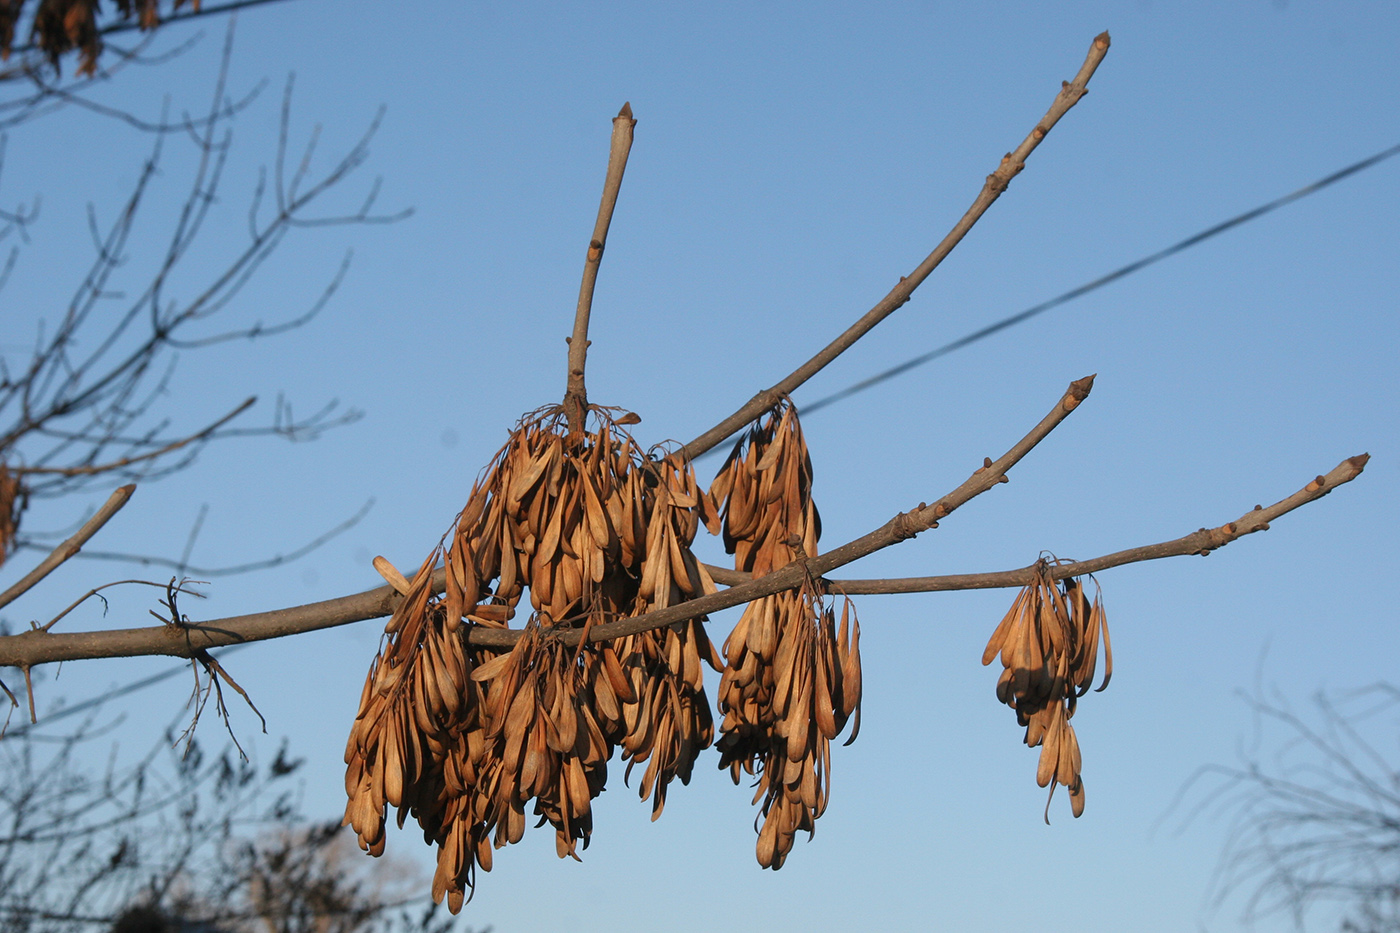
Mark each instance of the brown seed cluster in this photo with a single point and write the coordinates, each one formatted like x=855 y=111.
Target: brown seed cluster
x=1049 y=646
x=59 y=26
x=595 y=529
x=792 y=680
x=463 y=739
x=11 y=504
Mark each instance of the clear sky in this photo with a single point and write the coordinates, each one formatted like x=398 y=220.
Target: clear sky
x=791 y=162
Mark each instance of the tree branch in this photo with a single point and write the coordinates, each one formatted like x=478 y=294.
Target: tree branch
x=97 y=591
x=26 y=649
x=576 y=397
x=94 y=390
x=70 y=547
x=93 y=469
x=1011 y=165
x=183 y=566
x=1200 y=542
x=30 y=648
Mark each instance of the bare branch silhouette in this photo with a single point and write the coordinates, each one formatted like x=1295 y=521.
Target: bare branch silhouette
x=85 y=406
x=1314 y=810
x=183 y=565
x=187 y=840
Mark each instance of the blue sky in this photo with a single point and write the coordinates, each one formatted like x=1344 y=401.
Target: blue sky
x=791 y=162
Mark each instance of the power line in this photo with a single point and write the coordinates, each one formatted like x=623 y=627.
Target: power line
x=1100 y=282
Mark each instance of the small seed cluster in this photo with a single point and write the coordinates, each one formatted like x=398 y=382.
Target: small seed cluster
x=11 y=504
x=464 y=738
x=792 y=679
x=1049 y=646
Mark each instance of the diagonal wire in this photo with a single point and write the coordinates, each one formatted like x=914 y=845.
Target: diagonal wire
x=1099 y=282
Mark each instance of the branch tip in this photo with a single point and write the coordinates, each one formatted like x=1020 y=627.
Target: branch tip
x=1078 y=391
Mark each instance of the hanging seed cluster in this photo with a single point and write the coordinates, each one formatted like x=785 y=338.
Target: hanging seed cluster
x=792 y=679
x=1049 y=646
x=419 y=734
x=465 y=738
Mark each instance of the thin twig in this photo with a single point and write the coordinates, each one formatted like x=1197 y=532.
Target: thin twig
x=91 y=470
x=996 y=183
x=1200 y=542
x=178 y=622
x=182 y=566
x=70 y=547
x=576 y=397
x=215 y=670
x=96 y=591
x=13 y=704
x=29 y=688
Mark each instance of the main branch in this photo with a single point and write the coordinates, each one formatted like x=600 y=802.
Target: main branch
x=39 y=647
x=1011 y=165
x=30 y=648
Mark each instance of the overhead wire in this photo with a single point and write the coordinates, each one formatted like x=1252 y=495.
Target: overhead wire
x=1100 y=282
